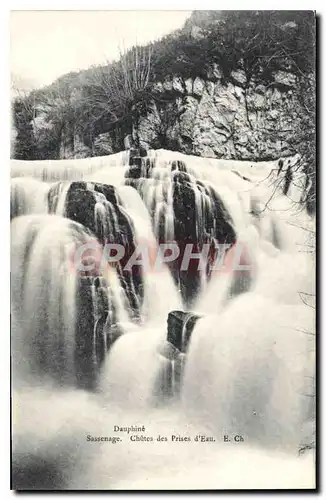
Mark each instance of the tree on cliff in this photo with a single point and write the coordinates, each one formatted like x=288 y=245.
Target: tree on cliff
x=62 y=107
x=216 y=46
x=262 y=44
x=25 y=144
x=116 y=92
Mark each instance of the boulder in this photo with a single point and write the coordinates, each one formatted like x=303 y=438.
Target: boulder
x=178 y=165
x=139 y=167
x=172 y=353
x=198 y=223
x=103 y=144
x=99 y=208
x=97 y=328
x=199 y=218
x=180 y=327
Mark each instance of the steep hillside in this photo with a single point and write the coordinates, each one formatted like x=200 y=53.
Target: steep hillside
x=229 y=84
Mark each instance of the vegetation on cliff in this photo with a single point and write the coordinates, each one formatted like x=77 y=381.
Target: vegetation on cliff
x=73 y=115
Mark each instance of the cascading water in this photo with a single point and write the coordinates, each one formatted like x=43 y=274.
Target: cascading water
x=245 y=363
x=28 y=196
x=188 y=212
x=43 y=298
x=160 y=294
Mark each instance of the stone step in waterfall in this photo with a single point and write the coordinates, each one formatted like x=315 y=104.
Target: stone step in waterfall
x=186 y=211
x=172 y=353
x=99 y=208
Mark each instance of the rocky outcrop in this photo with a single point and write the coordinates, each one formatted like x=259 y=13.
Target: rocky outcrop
x=103 y=145
x=228 y=84
x=210 y=117
x=191 y=214
x=97 y=328
x=180 y=325
x=200 y=219
x=214 y=118
x=98 y=208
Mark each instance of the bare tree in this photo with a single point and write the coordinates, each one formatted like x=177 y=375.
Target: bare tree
x=114 y=91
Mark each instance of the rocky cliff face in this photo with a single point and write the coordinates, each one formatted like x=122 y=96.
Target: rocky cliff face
x=211 y=118
x=223 y=120
x=227 y=85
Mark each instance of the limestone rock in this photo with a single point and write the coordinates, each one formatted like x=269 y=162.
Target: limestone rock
x=99 y=208
x=223 y=120
x=215 y=117
x=239 y=76
x=198 y=87
x=180 y=327
x=103 y=145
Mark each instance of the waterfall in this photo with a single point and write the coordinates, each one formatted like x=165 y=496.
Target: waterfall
x=74 y=314
x=43 y=298
x=28 y=196
x=247 y=370
x=217 y=350
x=189 y=212
x=160 y=294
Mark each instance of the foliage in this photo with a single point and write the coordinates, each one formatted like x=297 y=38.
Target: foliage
x=114 y=91
x=111 y=98
x=25 y=144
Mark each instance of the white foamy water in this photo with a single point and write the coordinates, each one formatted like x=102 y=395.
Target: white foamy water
x=28 y=196
x=250 y=365
x=60 y=437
